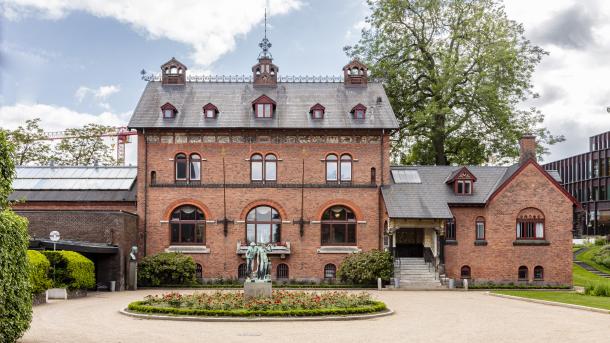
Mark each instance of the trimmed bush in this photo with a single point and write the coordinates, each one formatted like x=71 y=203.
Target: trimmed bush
x=72 y=270
x=15 y=294
x=598 y=289
x=39 y=272
x=166 y=268
x=365 y=267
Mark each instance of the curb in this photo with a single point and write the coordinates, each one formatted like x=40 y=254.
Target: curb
x=255 y=319
x=552 y=303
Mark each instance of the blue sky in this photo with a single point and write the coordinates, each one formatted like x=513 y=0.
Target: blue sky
x=76 y=62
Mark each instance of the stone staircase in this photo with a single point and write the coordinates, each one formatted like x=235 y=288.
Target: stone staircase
x=415 y=273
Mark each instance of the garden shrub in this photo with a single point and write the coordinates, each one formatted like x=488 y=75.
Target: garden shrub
x=602 y=256
x=72 y=270
x=366 y=267
x=598 y=289
x=601 y=241
x=15 y=294
x=166 y=268
x=39 y=272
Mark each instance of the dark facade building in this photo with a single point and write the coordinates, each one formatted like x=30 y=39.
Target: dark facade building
x=587 y=177
x=93 y=209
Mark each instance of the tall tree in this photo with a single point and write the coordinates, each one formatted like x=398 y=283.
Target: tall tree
x=455 y=72
x=31 y=146
x=85 y=146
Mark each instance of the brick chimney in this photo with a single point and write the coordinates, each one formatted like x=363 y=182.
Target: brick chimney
x=527 y=148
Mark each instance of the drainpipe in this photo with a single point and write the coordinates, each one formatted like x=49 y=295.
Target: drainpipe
x=145 y=188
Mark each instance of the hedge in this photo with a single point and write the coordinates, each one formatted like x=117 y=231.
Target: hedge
x=168 y=268
x=598 y=289
x=15 y=294
x=288 y=286
x=39 y=272
x=72 y=270
x=137 y=306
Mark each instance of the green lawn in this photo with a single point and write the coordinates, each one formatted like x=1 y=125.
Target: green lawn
x=563 y=297
x=581 y=277
x=587 y=256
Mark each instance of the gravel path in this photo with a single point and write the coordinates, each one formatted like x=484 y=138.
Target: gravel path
x=439 y=316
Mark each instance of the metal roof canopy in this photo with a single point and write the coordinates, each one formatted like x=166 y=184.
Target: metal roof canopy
x=78 y=246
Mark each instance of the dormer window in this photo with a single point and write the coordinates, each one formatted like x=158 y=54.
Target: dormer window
x=264 y=107
x=359 y=111
x=317 y=111
x=173 y=73
x=168 y=111
x=210 y=111
x=462 y=181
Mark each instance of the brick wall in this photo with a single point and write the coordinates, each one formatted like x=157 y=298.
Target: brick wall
x=156 y=203
x=499 y=260
x=111 y=227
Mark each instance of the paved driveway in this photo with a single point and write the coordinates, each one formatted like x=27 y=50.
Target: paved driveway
x=420 y=317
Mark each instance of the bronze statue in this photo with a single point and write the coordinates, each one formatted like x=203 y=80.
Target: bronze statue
x=263 y=263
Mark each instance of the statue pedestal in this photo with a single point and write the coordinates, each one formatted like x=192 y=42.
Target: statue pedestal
x=257 y=289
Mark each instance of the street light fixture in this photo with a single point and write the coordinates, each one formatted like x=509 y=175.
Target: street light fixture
x=54 y=236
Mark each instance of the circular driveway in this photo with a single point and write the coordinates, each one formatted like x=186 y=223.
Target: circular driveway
x=434 y=316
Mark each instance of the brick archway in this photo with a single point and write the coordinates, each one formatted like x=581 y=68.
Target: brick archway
x=263 y=202
x=339 y=202
x=180 y=202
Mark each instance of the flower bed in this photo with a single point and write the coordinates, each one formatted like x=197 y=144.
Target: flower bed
x=282 y=303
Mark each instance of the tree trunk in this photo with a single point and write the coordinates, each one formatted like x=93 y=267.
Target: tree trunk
x=438 y=140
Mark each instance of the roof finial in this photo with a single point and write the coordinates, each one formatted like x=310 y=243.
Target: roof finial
x=265 y=44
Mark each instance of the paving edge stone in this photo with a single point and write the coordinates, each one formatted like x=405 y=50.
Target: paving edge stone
x=552 y=303
x=126 y=312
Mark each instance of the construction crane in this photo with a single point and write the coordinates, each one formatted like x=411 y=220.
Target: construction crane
x=122 y=135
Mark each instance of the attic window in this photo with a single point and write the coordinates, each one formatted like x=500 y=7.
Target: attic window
x=168 y=111
x=317 y=111
x=359 y=111
x=264 y=107
x=210 y=111
x=463 y=181
x=463 y=187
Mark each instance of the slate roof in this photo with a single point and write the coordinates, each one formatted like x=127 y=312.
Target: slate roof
x=74 y=184
x=234 y=102
x=431 y=198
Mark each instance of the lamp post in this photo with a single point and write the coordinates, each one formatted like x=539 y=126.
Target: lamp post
x=54 y=236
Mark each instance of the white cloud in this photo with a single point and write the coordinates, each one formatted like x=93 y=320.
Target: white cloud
x=573 y=81
x=210 y=27
x=99 y=95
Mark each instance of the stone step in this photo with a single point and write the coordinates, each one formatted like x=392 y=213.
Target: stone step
x=421 y=285
x=414 y=267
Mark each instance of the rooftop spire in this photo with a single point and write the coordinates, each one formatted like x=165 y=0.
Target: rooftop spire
x=265 y=44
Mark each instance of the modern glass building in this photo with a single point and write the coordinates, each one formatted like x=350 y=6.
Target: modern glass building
x=587 y=177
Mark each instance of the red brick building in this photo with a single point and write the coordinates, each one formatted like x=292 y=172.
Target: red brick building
x=486 y=224
x=295 y=163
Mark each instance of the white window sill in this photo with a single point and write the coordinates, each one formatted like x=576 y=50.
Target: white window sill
x=188 y=249
x=339 y=249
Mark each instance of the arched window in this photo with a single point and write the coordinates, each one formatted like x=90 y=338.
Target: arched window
x=530 y=224
x=331 y=168
x=373 y=175
x=330 y=271
x=480 y=228
x=181 y=170
x=263 y=225
x=195 y=170
x=270 y=167
x=338 y=226
x=256 y=167
x=187 y=225
x=346 y=168
x=199 y=271
x=538 y=273
x=465 y=272
x=522 y=274
x=241 y=271
x=282 y=271
x=174 y=70
x=153 y=177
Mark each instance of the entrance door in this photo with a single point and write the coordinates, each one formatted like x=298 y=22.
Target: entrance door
x=410 y=243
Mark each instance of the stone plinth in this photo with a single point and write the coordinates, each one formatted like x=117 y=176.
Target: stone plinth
x=257 y=289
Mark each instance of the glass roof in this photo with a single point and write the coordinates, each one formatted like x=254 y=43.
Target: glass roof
x=74 y=178
x=406 y=176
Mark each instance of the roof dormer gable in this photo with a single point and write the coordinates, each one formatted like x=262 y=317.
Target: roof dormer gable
x=317 y=111
x=358 y=112
x=210 y=111
x=462 y=180
x=263 y=107
x=168 y=111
